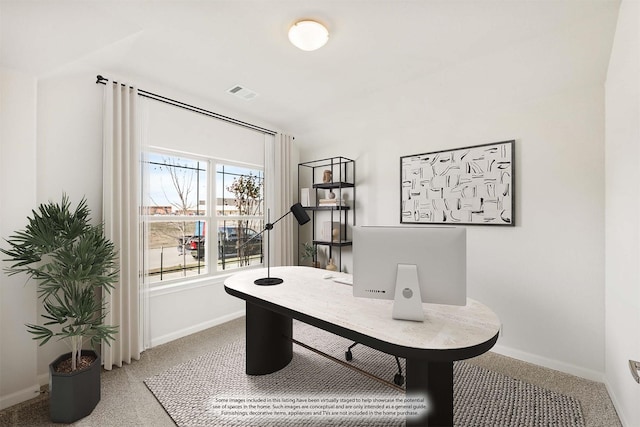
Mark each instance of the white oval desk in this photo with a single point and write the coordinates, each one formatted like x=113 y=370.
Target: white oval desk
x=448 y=333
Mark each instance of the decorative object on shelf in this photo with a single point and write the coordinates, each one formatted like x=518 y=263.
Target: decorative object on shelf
x=327 y=176
x=331 y=195
x=307 y=197
x=464 y=186
x=331 y=231
x=331 y=266
x=71 y=260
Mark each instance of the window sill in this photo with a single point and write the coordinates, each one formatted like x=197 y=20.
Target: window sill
x=170 y=288
x=181 y=286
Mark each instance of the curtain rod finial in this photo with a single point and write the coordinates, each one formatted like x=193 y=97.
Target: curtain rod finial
x=100 y=79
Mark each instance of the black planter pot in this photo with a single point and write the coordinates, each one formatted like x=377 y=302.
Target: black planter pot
x=73 y=395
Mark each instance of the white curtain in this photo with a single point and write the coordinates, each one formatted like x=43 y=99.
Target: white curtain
x=280 y=173
x=121 y=194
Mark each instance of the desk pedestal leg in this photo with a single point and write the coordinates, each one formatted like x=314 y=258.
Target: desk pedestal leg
x=435 y=379
x=269 y=347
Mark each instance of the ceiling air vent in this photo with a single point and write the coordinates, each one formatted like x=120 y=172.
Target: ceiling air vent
x=242 y=92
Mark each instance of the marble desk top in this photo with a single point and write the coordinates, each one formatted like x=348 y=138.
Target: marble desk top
x=446 y=327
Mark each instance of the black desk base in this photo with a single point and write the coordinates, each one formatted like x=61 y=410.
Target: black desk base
x=268 y=336
x=269 y=349
x=435 y=379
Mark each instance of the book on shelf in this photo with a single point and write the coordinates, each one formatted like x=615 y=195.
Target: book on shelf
x=307 y=197
x=331 y=202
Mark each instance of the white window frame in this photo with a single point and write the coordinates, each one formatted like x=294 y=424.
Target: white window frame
x=210 y=216
x=217 y=218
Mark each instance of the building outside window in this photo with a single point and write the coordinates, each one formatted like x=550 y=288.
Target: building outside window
x=199 y=223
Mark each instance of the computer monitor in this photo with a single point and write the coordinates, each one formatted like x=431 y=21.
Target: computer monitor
x=410 y=265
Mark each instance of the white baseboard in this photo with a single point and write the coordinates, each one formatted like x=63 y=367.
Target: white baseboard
x=616 y=404
x=19 y=396
x=196 y=328
x=557 y=365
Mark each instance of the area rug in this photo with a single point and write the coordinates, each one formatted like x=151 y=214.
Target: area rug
x=213 y=390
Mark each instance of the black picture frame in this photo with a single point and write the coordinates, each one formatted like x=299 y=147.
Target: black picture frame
x=472 y=185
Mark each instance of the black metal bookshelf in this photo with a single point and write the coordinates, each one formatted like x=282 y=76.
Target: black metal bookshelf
x=343 y=212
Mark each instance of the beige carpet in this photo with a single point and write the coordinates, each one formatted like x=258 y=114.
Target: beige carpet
x=126 y=401
x=214 y=390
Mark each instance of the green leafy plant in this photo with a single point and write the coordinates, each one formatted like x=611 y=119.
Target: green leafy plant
x=309 y=251
x=70 y=259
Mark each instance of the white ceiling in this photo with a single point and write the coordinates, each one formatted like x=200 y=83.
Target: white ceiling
x=202 y=48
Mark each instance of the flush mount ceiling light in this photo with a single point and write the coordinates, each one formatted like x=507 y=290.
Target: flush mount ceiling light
x=308 y=35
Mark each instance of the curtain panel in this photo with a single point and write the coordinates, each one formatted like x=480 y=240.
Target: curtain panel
x=121 y=201
x=280 y=179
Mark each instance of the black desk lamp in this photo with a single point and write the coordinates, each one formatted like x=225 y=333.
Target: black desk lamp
x=302 y=218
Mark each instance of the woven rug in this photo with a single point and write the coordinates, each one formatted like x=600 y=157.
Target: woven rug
x=213 y=390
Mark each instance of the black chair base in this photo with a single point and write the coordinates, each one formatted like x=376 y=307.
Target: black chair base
x=398 y=378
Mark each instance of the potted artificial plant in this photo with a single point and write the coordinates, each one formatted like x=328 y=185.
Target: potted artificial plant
x=70 y=259
x=309 y=251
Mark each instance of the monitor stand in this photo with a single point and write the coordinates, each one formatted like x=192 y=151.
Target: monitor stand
x=407 y=304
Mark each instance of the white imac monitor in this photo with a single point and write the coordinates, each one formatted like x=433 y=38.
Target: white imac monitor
x=410 y=265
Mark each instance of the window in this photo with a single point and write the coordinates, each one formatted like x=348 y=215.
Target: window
x=239 y=215
x=183 y=202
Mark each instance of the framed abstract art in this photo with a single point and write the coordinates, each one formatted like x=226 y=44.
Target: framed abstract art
x=463 y=186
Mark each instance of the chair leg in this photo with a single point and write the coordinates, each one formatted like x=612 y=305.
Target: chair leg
x=347 y=354
x=398 y=378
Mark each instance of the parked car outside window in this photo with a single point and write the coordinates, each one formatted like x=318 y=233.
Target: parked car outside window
x=228 y=243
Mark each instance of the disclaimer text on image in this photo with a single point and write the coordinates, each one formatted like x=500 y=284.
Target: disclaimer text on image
x=364 y=407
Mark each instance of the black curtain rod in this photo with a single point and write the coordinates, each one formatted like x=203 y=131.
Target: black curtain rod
x=150 y=95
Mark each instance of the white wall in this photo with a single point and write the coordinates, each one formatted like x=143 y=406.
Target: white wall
x=545 y=277
x=18 y=355
x=179 y=311
x=622 y=216
x=69 y=153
